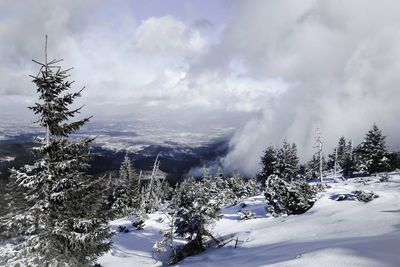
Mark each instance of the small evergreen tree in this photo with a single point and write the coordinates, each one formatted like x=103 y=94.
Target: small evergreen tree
x=313 y=168
x=348 y=163
x=237 y=185
x=252 y=188
x=195 y=212
x=373 y=153
x=286 y=162
x=339 y=154
x=267 y=164
x=220 y=180
x=209 y=183
x=288 y=197
x=127 y=194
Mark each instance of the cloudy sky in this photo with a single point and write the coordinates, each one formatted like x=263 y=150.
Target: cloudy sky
x=271 y=70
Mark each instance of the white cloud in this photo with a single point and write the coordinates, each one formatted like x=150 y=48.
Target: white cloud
x=128 y=67
x=167 y=35
x=344 y=58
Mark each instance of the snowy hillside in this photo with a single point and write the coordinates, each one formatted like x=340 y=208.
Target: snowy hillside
x=331 y=233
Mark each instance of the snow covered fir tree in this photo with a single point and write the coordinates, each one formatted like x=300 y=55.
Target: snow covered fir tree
x=55 y=211
x=126 y=196
x=372 y=152
x=194 y=212
x=286 y=161
x=267 y=164
x=285 y=191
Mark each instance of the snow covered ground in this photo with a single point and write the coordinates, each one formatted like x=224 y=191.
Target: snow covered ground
x=331 y=233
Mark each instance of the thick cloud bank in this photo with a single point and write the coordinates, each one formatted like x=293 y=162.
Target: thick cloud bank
x=341 y=58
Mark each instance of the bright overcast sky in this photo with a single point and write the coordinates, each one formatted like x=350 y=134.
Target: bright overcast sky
x=270 y=69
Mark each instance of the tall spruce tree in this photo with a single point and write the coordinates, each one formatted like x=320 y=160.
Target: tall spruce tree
x=373 y=153
x=63 y=204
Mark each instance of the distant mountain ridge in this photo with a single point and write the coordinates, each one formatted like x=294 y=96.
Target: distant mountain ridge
x=175 y=159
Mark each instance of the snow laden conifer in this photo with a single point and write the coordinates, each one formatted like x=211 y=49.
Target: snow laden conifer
x=338 y=154
x=237 y=185
x=287 y=198
x=224 y=192
x=63 y=204
x=267 y=164
x=372 y=153
x=220 y=180
x=284 y=193
x=252 y=188
x=127 y=194
x=195 y=212
x=286 y=162
x=209 y=183
x=316 y=166
x=312 y=167
x=349 y=160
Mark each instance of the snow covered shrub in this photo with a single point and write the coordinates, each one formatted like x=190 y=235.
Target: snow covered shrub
x=235 y=190
x=384 y=177
x=162 y=245
x=340 y=197
x=166 y=244
x=195 y=212
x=231 y=190
x=252 y=188
x=122 y=229
x=289 y=198
x=247 y=215
x=365 y=180
x=138 y=223
x=364 y=196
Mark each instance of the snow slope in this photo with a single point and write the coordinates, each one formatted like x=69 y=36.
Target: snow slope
x=332 y=233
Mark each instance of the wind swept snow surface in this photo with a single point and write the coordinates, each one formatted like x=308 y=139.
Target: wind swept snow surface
x=331 y=233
